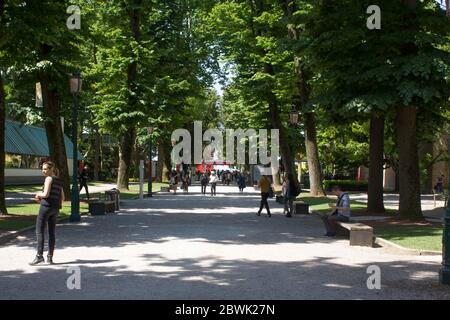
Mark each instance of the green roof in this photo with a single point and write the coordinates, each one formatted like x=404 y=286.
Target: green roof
x=30 y=140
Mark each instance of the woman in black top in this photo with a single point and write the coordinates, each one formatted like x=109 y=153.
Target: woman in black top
x=51 y=199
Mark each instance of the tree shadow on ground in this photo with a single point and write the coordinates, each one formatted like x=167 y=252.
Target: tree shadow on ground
x=212 y=278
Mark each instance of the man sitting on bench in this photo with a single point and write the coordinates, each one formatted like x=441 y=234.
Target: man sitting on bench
x=341 y=211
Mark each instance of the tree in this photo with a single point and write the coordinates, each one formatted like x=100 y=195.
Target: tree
x=382 y=72
x=3 y=209
x=302 y=101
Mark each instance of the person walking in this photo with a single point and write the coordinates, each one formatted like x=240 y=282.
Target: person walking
x=204 y=182
x=213 y=181
x=50 y=200
x=186 y=182
x=289 y=194
x=439 y=187
x=264 y=185
x=241 y=182
x=174 y=182
x=83 y=180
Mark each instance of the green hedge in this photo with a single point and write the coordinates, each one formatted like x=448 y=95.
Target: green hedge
x=347 y=185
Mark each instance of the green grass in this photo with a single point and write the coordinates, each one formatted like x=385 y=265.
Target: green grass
x=413 y=237
x=134 y=190
x=320 y=204
x=24 y=188
x=32 y=209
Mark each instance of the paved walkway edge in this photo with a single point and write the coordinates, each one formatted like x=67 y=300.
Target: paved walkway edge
x=16 y=233
x=402 y=250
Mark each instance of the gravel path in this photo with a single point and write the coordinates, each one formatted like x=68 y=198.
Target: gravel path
x=199 y=247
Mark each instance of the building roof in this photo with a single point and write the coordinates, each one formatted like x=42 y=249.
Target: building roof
x=30 y=140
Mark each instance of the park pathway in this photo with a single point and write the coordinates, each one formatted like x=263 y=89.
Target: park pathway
x=202 y=247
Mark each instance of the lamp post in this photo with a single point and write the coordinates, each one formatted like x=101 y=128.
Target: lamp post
x=444 y=274
x=293 y=120
x=150 y=131
x=75 y=88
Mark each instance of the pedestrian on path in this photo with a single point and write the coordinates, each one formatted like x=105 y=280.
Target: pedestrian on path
x=439 y=187
x=241 y=182
x=186 y=181
x=51 y=199
x=174 y=182
x=213 y=181
x=288 y=192
x=204 y=182
x=83 y=177
x=341 y=211
x=264 y=185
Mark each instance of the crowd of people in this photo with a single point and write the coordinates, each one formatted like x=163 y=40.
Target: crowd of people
x=183 y=179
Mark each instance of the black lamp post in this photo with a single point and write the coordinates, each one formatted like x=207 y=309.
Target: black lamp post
x=444 y=274
x=293 y=120
x=150 y=131
x=75 y=88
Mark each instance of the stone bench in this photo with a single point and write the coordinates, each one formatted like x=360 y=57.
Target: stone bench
x=301 y=207
x=164 y=189
x=360 y=234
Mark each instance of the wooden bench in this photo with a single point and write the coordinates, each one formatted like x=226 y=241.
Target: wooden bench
x=360 y=234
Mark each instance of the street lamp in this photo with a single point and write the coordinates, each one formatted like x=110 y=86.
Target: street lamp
x=293 y=120
x=150 y=131
x=75 y=88
x=293 y=117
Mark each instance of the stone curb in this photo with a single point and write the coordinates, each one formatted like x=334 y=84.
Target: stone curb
x=402 y=250
x=12 y=235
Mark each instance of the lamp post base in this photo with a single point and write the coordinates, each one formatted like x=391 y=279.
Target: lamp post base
x=74 y=218
x=444 y=275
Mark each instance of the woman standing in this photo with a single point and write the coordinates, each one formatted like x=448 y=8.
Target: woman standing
x=51 y=199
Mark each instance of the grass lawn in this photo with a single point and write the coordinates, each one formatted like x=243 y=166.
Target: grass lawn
x=420 y=237
x=413 y=237
x=320 y=204
x=23 y=215
x=128 y=194
x=24 y=188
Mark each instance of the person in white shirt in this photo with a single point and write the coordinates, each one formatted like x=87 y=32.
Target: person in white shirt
x=213 y=179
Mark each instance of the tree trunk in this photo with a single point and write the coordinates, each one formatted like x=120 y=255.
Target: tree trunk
x=303 y=91
x=312 y=154
x=406 y=126
x=128 y=139
x=375 y=201
x=447 y=7
x=285 y=149
x=53 y=128
x=3 y=209
x=97 y=151
x=408 y=167
x=125 y=154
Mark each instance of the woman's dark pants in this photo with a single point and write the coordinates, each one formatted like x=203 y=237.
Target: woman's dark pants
x=47 y=217
x=264 y=203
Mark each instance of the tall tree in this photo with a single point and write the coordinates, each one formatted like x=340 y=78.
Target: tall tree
x=302 y=101
x=3 y=209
